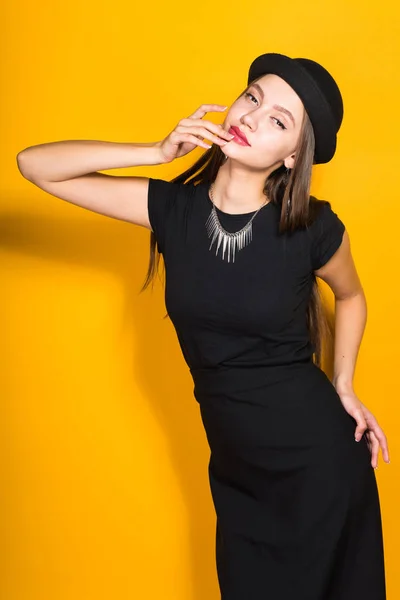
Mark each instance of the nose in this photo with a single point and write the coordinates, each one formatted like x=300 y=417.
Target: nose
x=249 y=120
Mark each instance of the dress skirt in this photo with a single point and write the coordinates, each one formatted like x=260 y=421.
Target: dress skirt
x=296 y=498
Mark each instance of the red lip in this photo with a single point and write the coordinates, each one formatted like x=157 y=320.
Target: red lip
x=240 y=134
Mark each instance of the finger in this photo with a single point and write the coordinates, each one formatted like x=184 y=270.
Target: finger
x=374 y=426
x=205 y=108
x=370 y=418
x=361 y=424
x=368 y=440
x=187 y=137
x=374 y=449
x=202 y=131
x=382 y=440
x=207 y=125
x=177 y=138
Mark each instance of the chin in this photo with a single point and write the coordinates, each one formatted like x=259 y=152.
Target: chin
x=238 y=156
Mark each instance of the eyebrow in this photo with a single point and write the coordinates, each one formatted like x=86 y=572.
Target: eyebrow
x=276 y=106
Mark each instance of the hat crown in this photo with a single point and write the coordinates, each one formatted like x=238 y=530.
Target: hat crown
x=327 y=86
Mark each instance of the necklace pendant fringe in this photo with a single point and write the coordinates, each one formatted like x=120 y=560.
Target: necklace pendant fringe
x=231 y=242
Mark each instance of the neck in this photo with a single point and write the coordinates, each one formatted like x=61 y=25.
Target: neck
x=238 y=190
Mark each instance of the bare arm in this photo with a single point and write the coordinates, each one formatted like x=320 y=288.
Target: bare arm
x=350 y=319
x=350 y=311
x=68 y=170
x=67 y=159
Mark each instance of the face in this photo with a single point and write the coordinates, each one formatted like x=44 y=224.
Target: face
x=270 y=131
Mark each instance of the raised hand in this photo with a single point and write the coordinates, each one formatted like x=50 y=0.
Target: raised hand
x=191 y=132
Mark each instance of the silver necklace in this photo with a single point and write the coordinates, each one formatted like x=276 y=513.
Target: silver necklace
x=231 y=242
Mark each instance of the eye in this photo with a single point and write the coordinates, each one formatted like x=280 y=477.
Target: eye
x=280 y=124
x=247 y=94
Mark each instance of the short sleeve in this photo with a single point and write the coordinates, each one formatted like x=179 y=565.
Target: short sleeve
x=161 y=198
x=327 y=235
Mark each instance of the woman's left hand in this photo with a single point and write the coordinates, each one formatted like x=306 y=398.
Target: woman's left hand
x=366 y=425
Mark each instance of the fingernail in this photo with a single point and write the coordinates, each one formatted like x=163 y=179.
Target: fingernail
x=356 y=439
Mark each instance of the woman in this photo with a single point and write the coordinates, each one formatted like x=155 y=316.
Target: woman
x=296 y=499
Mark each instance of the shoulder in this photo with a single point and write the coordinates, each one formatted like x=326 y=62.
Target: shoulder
x=326 y=231
x=164 y=196
x=165 y=189
x=322 y=217
x=320 y=211
x=168 y=204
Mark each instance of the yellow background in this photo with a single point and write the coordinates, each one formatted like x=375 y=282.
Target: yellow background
x=104 y=489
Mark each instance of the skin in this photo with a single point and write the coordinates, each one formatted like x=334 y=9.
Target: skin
x=238 y=188
x=240 y=180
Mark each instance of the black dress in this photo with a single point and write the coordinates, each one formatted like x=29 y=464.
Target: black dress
x=296 y=499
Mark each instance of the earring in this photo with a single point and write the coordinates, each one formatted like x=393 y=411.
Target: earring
x=289 y=202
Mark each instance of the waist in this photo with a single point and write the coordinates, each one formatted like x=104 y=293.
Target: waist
x=222 y=379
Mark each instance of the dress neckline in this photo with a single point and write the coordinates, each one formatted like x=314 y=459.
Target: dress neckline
x=230 y=215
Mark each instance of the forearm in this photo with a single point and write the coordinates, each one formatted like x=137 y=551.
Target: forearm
x=59 y=161
x=350 y=321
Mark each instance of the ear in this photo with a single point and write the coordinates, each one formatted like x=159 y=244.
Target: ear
x=289 y=161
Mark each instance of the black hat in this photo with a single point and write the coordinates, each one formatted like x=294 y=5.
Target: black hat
x=318 y=91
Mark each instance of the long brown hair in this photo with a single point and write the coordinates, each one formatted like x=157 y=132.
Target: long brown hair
x=298 y=210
